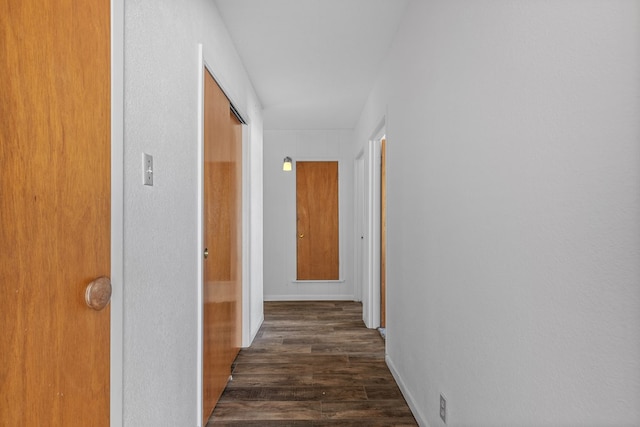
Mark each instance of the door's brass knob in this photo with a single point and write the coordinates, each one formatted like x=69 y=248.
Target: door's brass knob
x=206 y=253
x=98 y=293
x=301 y=235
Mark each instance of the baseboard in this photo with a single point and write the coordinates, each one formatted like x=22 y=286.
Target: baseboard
x=417 y=413
x=257 y=329
x=309 y=298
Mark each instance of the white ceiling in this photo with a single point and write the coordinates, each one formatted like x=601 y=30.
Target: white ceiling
x=312 y=62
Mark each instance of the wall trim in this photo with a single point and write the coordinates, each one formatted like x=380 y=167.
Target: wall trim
x=411 y=401
x=116 y=357
x=318 y=281
x=253 y=335
x=359 y=276
x=322 y=297
x=199 y=231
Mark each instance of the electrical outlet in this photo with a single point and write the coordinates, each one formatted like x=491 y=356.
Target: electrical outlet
x=147 y=169
x=443 y=409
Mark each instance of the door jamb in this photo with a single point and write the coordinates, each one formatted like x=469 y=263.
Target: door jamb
x=371 y=291
x=116 y=359
x=359 y=225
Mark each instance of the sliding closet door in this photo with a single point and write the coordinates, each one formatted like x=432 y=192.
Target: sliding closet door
x=223 y=242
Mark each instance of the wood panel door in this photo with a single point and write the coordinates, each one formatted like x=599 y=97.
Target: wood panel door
x=317 y=221
x=54 y=211
x=223 y=242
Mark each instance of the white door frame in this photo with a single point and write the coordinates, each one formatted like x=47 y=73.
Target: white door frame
x=370 y=223
x=117 y=214
x=359 y=226
x=371 y=296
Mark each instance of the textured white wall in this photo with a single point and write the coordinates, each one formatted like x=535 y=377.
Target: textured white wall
x=256 y=212
x=280 y=212
x=160 y=267
x=514 y=210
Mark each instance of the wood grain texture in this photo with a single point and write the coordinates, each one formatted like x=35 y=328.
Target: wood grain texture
x=317 y=221
x=312 y=364
x=54 y=211
x=223 y=239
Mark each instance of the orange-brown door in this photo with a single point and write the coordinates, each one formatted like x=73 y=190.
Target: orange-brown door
x=54 y=211
x=317 y=220
x=223 y=242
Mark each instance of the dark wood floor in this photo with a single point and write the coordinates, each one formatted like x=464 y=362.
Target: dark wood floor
x=312 y=364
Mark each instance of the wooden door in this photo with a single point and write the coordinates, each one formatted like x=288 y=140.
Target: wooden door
x=54 y=211
x=223 y=241
x=317 y=221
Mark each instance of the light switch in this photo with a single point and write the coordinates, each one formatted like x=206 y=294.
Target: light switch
x=147 y=169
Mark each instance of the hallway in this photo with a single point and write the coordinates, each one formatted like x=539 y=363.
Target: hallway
x=312 y=364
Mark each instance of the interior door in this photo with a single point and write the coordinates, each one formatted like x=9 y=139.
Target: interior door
x=223 y=242
x=54 y=211
x=317 y=221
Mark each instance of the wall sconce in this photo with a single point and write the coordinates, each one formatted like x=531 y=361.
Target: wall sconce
x=286 y=166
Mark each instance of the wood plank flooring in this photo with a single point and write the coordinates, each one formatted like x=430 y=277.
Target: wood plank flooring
x=312 y=364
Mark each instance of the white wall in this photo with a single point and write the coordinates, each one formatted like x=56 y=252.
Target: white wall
x=256 y=212
x=280 y=212
x=160 y=222
x=514 y=210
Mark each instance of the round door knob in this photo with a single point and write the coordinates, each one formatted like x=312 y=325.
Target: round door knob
x=301 y=235
x=206 y=253
x=98 y=293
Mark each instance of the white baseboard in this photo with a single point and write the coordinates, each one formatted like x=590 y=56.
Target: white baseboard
x=415 y=409
x=257 y=329
x=309 y=298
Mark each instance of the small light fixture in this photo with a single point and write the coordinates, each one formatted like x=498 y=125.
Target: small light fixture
x=286 y=166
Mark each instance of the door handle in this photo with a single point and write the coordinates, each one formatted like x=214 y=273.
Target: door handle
x=98 y=293
x=301 y=235
x=206 y=253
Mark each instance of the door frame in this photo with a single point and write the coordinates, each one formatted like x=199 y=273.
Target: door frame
x=370 y=223
x=359 y=225
x=341 y=222
x=205 y=59
x=117 y=214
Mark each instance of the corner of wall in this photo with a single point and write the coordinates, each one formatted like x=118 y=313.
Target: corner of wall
x=408 y=396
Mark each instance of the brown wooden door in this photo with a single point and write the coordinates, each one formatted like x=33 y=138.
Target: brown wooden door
x=223 y=241
x=54 y=211
x=317 y=220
